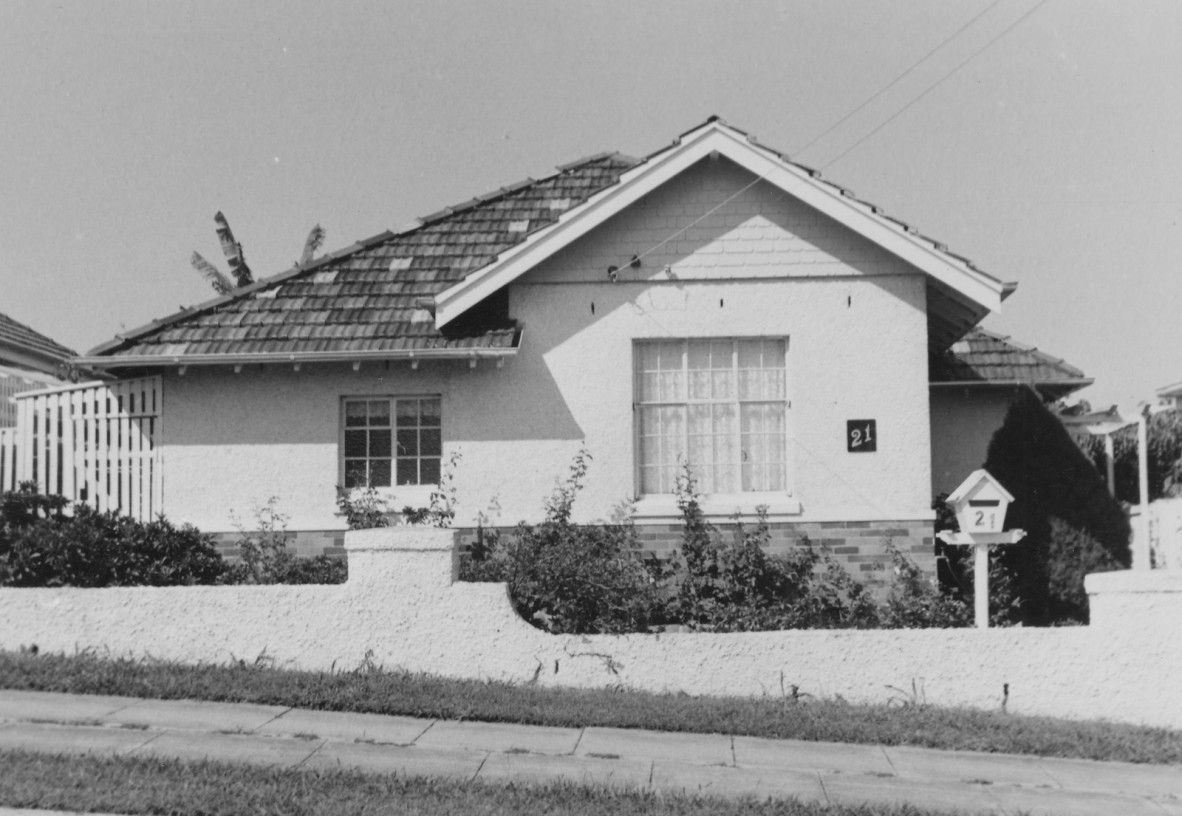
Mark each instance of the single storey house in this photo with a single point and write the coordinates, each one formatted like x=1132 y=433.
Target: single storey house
x=28 y=360
x=712 y=303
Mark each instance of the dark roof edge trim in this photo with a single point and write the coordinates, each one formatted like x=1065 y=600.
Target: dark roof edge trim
x=1075 y=383
x=282 y=358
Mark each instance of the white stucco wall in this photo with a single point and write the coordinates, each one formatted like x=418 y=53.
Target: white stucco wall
x=763 y=265
x=963 y=423
x=400 y=604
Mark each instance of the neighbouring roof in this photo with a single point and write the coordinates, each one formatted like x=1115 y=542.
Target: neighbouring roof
x=378 y=298
x=22 y=346
x=983 y=357
x=1170 y=391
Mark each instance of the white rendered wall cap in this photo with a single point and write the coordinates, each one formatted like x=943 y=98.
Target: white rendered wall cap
x=402 y=537
x=1133 y=581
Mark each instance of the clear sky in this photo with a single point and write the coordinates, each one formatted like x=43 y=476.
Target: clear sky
x=1043 y=140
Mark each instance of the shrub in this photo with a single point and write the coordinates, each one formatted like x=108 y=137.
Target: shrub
x=42 y=546
x=570 y=578
x=1072 y=554
x=917 y=601
x=1050 y=478
x=583 y=579
x=363 y=510
x=265 y=558
x=367 y=509
x=738 y=586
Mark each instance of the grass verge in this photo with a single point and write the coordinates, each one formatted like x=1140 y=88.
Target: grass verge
x=373 y=690
x=139 y=785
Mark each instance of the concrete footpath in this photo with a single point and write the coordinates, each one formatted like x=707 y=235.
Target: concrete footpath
x=709 y=764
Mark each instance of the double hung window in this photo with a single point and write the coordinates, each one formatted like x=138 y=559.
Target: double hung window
x=719 y=405
x=392 y=441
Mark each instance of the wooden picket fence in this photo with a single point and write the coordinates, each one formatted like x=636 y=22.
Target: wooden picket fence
x=97 y=443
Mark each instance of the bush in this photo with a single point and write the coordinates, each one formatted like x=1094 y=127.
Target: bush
x=1034 y=457
x=265 y=558
x=917 y=602
x=568 y=578
x=738 y=586
x=41 y=546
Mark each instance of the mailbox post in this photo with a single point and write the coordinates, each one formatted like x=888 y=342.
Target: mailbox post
x=980 y=505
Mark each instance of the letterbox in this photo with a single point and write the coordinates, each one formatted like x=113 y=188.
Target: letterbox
x=980 y=503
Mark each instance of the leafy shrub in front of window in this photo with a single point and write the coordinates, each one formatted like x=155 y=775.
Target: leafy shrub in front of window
x=569 y=578
x=42 y=546
x=738 y=586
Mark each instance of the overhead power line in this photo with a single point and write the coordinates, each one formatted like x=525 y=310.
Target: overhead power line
x=896 y=80
x=933 y=86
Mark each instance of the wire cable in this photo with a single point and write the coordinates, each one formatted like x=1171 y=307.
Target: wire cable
x=934 y=85
x=896 y=80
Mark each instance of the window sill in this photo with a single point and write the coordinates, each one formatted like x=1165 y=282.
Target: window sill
x=664 y=509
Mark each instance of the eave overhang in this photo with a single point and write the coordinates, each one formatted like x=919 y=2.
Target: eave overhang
x=1055 y=389
x=280 y=358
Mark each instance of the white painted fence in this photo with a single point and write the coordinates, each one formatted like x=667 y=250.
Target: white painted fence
x=402 y=608
x=97 y=443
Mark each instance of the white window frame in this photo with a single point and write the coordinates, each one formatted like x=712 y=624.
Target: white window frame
x=407 y=494
x=663 y=506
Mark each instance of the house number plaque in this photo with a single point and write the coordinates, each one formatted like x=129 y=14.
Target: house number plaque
x=861 y=436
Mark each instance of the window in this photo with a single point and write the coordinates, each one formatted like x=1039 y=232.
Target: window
x=392 y=441
x=721 y=406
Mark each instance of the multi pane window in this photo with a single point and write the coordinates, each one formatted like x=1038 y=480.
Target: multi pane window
x=719 y=405
x=392 y=440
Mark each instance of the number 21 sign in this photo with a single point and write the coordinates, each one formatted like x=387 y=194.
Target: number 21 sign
x=861 y=436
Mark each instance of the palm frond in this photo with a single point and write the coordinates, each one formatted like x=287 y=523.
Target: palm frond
x=233 y=251
x=314 y=242
x=220 y=283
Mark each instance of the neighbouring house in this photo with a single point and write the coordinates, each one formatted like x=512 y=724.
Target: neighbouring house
x=972 y=385
x=28 y=360
x=1170 y=397
x=712 y=302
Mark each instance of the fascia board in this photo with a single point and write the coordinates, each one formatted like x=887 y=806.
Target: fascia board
x=638 y=182
x=32 y=358
x=633 y=185
x=281 y=357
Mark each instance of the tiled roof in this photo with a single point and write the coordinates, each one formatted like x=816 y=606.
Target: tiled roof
x=374 y=296
x=368 y=298
x=982 y=357
x=21 y=337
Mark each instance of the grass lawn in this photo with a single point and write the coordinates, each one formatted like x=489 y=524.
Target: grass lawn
x=133 y=786
x=373 y=690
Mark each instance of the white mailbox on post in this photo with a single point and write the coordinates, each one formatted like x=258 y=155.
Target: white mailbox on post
x=980 y=505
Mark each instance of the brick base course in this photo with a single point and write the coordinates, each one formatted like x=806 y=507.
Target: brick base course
x=302 y=543
x=859 y=546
